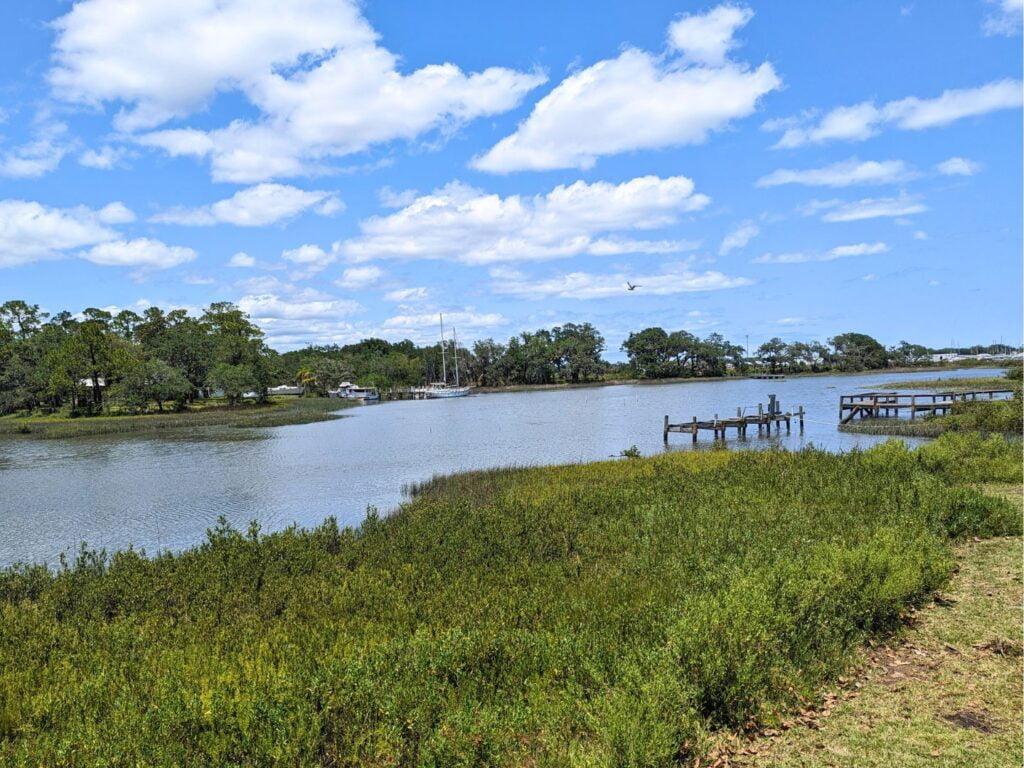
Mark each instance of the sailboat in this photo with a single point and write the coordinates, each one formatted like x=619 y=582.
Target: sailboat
x=440 y=389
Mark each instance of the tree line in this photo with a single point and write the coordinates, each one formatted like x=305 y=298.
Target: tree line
x=160 y=359
x=89 y=360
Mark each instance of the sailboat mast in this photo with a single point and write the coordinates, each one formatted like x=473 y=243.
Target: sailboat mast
x=444 y=365
x=455 y=342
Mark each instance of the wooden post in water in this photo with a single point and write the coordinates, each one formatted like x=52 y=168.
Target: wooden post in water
x=760 y=418
x=694 y=430
x=913 y=407
x=665 y=433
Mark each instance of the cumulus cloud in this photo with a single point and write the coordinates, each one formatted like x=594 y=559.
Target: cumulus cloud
x=468 y=319
x=310 y=259
x=255 y=206
x=707 y=38
x=739 y=237
x=839 y=252
x=843 y=174
x=115 y=213
x=958 y=166
x=301 y=305
x=242 y=260
x=861 y=121
x=1005 y=18
x=141 y=252
x=640 y=100
x=671 y=279
x=866 y=208
x=313 y=70
x=463 y=224
x=354 y=278
x=30 y=231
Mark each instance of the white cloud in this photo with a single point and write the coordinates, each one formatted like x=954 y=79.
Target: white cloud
x=242 y=260
x=311 y=259
x=672 y=279
x=105 y=158
x=867 y=208
x=861 y=121
x=141 y=252
x=468 y=319
x=37 y=157
x=389 y=198
x=115 y=213
x=463 y=224
x=30 y=231
x=739 y=237
x=920 y=235
x=271 y=308
x=958 y=166
x=1005 y=19
x=255 y=206
x=839 y=252
x=639 y=100
x=418 y=293
x=707 y=38
x=843 y=174
x=354 y=278
x=313 y=69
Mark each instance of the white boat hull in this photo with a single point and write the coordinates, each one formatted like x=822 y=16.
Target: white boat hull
x=434 y=394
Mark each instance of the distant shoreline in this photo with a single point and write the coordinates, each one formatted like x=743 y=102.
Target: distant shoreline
x=686 y=379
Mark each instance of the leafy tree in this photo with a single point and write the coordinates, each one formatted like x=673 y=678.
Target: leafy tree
x=858 y=352
x=649 y=352
x=774 y=353
x=154 y=380
x=234 y=380
x=578 y=351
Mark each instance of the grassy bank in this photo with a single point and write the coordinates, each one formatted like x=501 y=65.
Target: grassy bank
x=616 y=613
x=945 y=694
x=951 y=384
x=278 y=412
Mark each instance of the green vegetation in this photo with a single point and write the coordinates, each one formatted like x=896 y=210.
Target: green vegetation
x=616 y=613
x=952 y=384
x=948 y=695
x=984 y=416
x=146 y=363
x=276 y=412
x=99 y=363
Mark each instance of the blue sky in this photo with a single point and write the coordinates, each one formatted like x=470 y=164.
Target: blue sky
x=344 y=170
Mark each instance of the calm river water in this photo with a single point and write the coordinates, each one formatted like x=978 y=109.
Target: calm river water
x=163 y=493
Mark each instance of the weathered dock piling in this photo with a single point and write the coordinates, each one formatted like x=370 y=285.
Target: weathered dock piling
x=764 y=419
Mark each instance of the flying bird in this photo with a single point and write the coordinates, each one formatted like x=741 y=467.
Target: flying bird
x=630 y=286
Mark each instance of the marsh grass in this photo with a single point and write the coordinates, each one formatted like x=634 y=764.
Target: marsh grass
x=278 y=412
x=951 y=384
x=608 y=614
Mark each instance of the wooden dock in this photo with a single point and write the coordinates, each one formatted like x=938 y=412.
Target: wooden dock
x=878 y=404
x=763 y=420
x=771 y=376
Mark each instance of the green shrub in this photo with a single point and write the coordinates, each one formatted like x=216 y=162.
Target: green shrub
x=603 y=614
